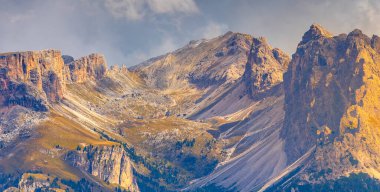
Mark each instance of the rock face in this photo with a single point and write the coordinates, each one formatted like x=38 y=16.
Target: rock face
x=67 y=59
x=203 y=63
x=92 y=67
x=265 y=66
x=41 y=70
x=111 y=164
x=17 y=123
x=35 y=78
x=28 y=183
x=122 y=70
x=262 y=76
x=332 y=102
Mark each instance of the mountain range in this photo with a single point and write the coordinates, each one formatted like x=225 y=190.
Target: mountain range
x=230 y=113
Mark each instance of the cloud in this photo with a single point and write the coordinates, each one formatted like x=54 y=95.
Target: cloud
x=173 y=6
x=80 y=27
x=21 y=17
x=131 y=9
x=166 y=45
x=213 y=29
x=138 y=9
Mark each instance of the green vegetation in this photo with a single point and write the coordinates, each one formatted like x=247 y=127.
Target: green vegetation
x=159 y=170
x=55 y=184
x=118 y=189
x=10 y=180
x=356 y=182
x=186 y=143
x=81 y=186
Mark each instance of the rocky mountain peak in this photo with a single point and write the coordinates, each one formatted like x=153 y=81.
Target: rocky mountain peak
x=358 y=38
x=265 y=66
x=330 y=103
x=202 y=63
x=315 y=31
x=375 y=43
x=356 y=32
x=119 y=69
x=260 y=41
x=67 y=59
x=93 y=66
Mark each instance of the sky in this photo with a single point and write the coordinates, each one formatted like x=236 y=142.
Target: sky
x=131 y=31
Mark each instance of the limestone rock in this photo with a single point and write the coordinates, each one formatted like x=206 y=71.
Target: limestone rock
x=91 y=67
x=203 y=63
x=67 y=59
x=41 y=70
x=119 y=69
x=315 y=32
x=332 y=101
x=265 y=66
x=111 y=164
x=35 y=78
x=29 y=183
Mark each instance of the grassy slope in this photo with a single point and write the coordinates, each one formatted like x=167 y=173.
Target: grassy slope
x=88 y=112
x=45 y=150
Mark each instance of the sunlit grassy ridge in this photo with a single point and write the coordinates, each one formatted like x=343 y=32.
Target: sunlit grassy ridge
x=53 y=138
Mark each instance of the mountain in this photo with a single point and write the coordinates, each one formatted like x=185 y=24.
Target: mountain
x=40 y=134
x=249 y=119
x=199 y=72
x=25 y=75
x=230 y=113
x=331 y=106
x=155 y=126
x=33 y=78
x=201 y=63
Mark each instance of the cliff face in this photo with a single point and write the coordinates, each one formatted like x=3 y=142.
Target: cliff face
x=111 y=164
x=332 y=102
x=34 y=78
x=28 y=183
x=41 y=69
x=86 y=68
x=117 y=69
x=265 y=66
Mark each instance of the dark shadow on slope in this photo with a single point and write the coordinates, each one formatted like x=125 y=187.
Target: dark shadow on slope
x=356 y=182
x=274 y=91
x=223 y=128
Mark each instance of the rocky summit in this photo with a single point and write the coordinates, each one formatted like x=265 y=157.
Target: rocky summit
x=331 y=102
x=230 y=113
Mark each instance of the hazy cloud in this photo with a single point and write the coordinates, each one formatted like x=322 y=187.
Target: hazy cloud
x=213 y=29
x=173 y=6
x=130 y=31
x=166 y=45
x=137 y=9
x=20 y=17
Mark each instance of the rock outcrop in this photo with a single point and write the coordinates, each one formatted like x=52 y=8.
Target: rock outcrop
x=32 y=182
x=119 y=69
x=91 y=67
x=35 y=78
x=332 y=91
x=23 y=71
x=265 y=66
x=67 y=59
x=111 y=164
x=203 y=63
